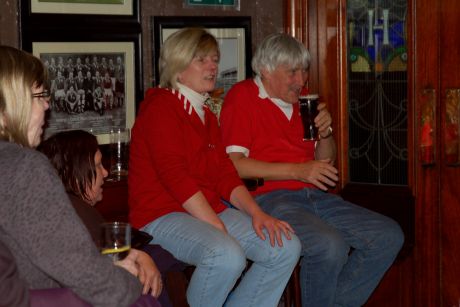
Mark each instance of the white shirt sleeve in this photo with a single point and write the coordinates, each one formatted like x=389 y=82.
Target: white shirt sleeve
x=236 y=148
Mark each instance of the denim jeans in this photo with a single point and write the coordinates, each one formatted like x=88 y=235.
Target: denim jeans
x=346 y=249
x=221 y=258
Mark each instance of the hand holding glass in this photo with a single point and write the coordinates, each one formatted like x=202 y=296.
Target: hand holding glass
x=115 y=240
x=308 y=112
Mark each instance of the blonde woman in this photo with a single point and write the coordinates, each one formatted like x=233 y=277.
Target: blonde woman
x=51 y=246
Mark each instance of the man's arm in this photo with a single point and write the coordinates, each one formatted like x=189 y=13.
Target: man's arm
x=325 y=147
x=320 y=173
x=252 y=168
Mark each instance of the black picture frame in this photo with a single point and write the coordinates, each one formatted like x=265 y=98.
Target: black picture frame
x=85 y=34
x=30 y=20
x=163 y=23
x=81 y=39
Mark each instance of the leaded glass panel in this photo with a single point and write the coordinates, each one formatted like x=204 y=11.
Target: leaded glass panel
x=377 y=91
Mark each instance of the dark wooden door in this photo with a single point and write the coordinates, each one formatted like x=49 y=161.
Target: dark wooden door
x=436 y=92
x=449 y=162
x=427 y=171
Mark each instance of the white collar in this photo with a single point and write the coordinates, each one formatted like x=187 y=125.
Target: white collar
x=196 y=99
x=285 y=107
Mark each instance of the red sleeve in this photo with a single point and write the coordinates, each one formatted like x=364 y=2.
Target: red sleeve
x=227 y=178
x=235 y=118
x=160 y=123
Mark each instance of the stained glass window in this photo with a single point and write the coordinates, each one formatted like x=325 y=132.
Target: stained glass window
x=377 y=91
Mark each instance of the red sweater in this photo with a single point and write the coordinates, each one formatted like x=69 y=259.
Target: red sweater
x=173 y=155
x=260 y=126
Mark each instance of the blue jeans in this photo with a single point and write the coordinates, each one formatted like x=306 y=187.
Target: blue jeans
x=221 y=258
x=346 y=249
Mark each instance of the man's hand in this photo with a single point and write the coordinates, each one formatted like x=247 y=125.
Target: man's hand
x=323 y=120
x=317 y=172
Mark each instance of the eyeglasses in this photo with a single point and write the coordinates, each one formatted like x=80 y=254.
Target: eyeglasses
x=45 y=94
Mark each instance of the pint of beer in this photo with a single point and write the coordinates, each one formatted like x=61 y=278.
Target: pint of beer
x=308 y=112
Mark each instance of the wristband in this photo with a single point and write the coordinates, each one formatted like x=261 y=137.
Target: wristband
x=329 y=133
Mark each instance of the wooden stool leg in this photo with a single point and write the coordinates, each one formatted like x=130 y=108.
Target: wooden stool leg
x=292 y=293
x=287 y=295
x=296 y=286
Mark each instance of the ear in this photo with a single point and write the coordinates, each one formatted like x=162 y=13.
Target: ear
x=265 y=74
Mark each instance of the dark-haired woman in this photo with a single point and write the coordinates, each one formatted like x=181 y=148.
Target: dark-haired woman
x=76 y=156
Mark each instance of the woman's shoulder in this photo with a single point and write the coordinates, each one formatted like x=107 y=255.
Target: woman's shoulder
x=11 y=152
x=157 y=98
x=25 y=166
x=159 y=94
x=161 y=104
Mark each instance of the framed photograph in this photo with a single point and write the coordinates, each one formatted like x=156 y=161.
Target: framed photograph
x=61 y=15
x=102 y=7
x=215 y=4
x=92 y=85
x=232 y=33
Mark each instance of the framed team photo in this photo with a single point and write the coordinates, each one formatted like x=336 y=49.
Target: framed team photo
x=92 y=86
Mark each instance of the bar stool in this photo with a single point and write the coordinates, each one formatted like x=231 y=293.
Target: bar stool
x=292 y=295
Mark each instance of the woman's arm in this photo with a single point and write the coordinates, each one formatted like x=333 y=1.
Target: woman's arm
x=198 y=207
x=241 y=199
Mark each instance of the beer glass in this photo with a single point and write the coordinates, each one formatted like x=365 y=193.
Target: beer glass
x=308 y=112
x=119 y=153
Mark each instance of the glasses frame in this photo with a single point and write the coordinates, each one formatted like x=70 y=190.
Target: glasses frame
x=46 y=94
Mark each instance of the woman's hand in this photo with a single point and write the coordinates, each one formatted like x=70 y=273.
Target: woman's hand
x=129 y=263
x=241 y=199
x=149 y=275
x=274 y=227
x=142 y=266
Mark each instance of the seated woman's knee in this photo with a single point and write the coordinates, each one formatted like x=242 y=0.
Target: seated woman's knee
x=290 y=252
x=227 y=257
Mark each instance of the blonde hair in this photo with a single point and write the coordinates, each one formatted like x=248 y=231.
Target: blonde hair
x=19 y=72
x=179 y=50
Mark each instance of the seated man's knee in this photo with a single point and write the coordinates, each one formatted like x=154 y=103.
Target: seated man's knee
x=328 y=247
x=391 y=236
